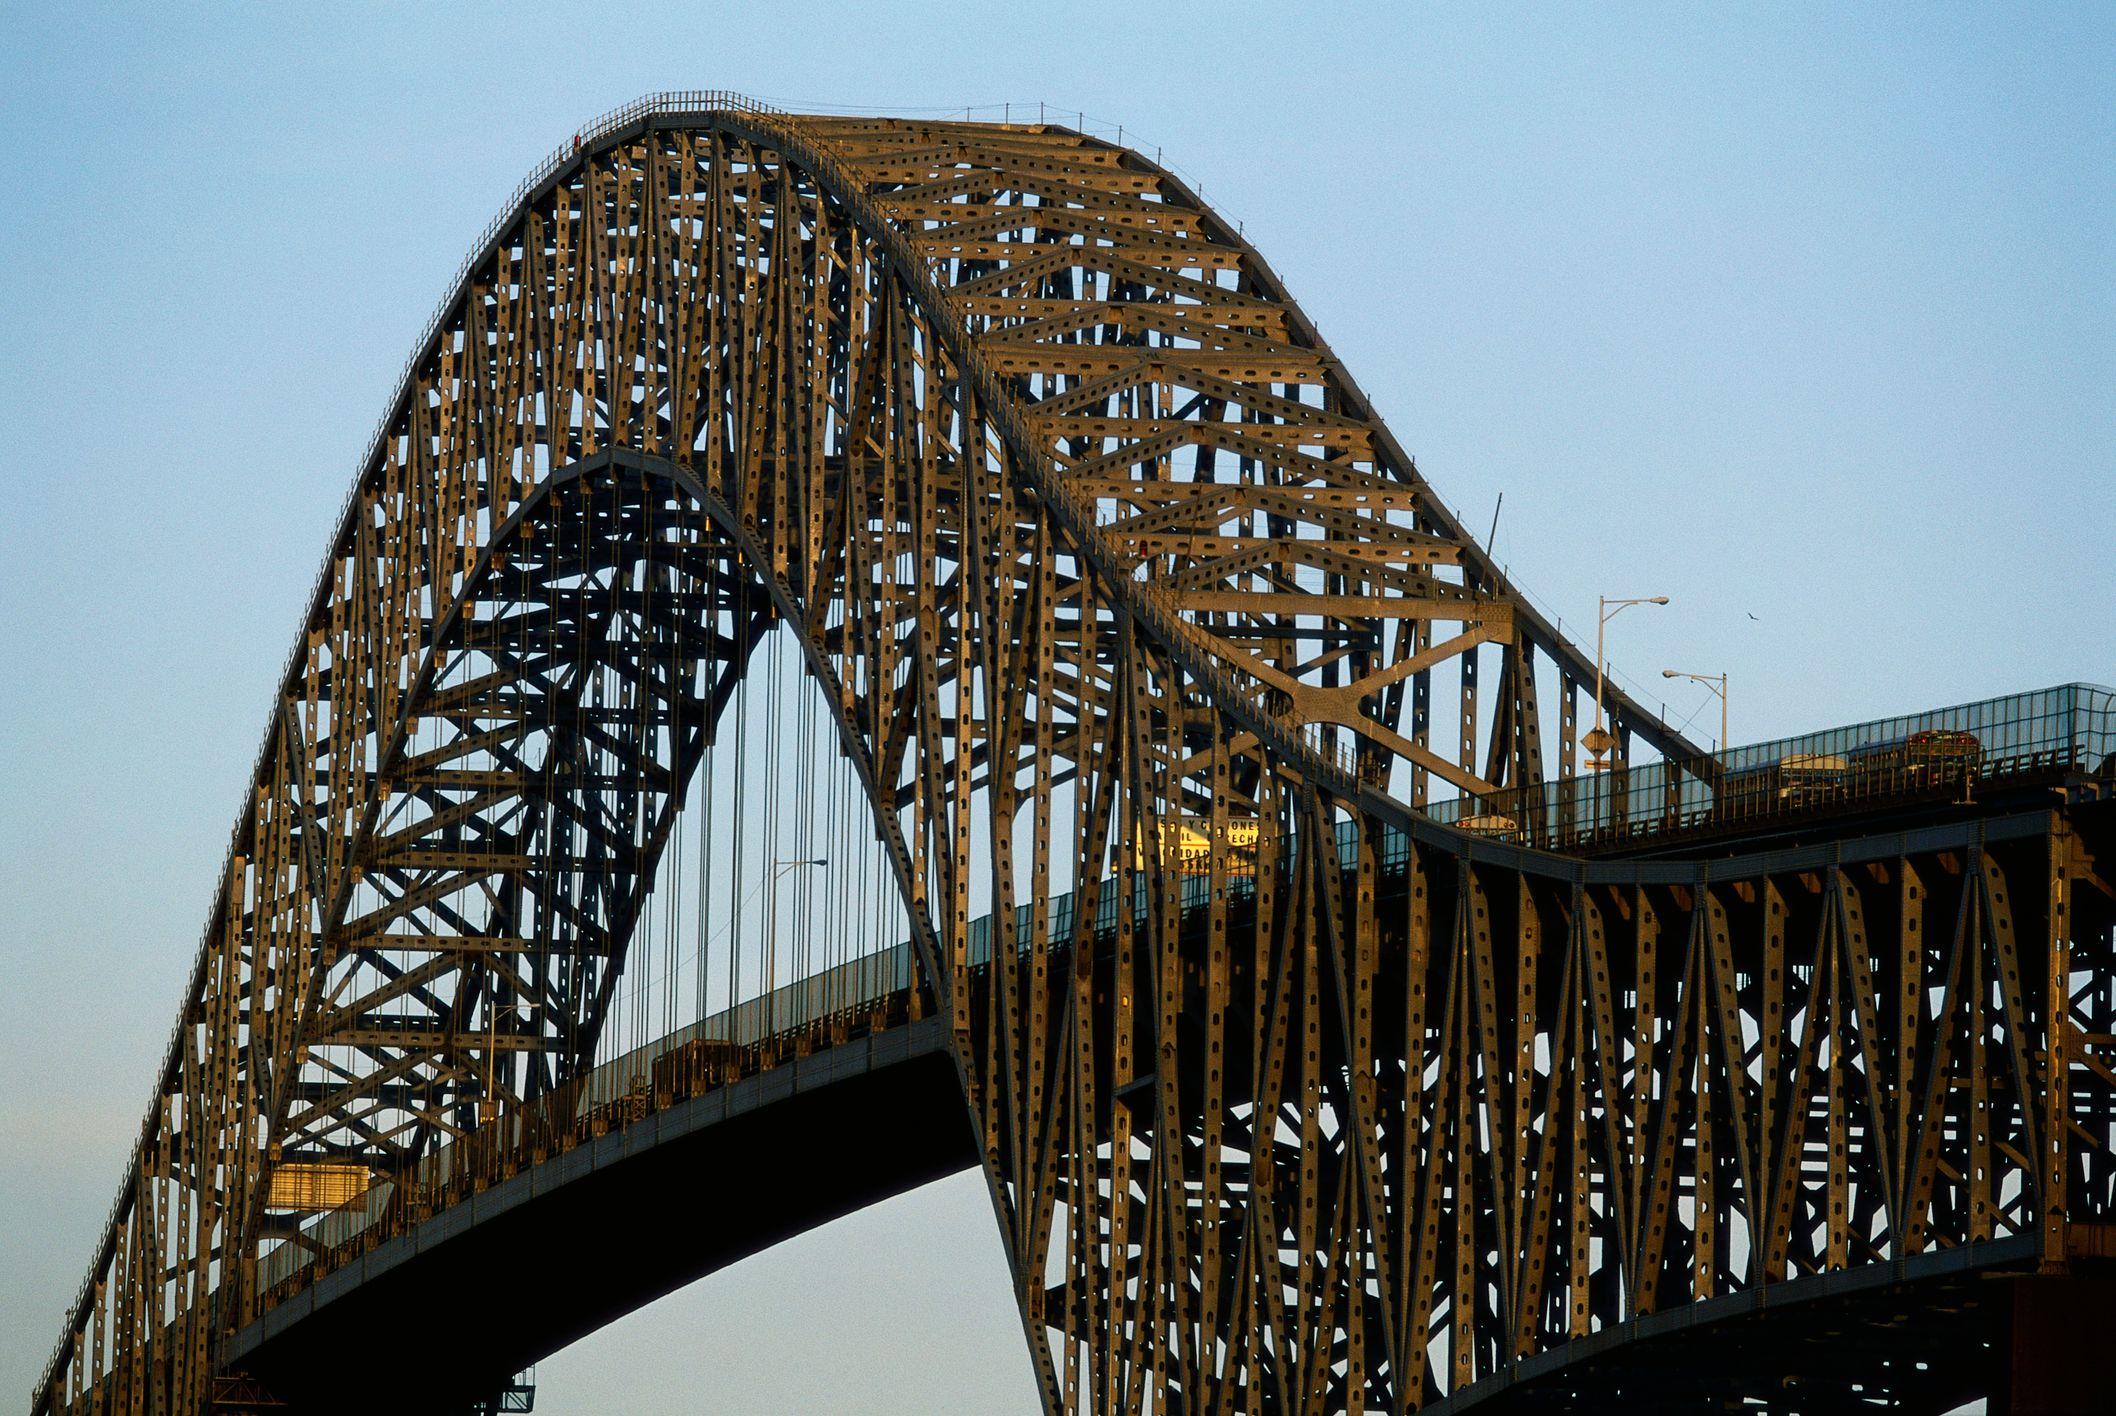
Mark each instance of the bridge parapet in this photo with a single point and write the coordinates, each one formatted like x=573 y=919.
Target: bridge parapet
x=1887 y=766
x=1758 y=1088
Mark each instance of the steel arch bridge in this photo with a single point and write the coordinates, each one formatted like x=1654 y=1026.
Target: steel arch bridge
x=1324 y=1041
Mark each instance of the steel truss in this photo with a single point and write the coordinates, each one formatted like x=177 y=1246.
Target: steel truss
x=1089 y=538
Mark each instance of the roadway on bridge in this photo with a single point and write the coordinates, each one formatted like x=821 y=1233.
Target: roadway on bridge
x=560 y=1248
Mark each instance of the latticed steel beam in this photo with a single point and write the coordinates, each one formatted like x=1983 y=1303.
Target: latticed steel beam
x=1089 y=542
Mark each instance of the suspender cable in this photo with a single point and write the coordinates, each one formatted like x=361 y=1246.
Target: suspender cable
x=708 y=675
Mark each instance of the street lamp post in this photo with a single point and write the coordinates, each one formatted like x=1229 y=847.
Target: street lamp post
x=771 y=926
x=1599 y=740
x=489 y=1101
x=1718 y=684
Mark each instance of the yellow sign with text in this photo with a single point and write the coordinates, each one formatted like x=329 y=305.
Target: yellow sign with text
x=1187 y=843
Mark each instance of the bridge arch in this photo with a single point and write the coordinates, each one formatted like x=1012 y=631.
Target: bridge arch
x=1117 y=587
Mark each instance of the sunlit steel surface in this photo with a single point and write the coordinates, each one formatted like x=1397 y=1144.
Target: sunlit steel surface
x=1329 y=1084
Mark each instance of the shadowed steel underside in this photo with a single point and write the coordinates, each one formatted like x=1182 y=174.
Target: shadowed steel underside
x=1154 y=661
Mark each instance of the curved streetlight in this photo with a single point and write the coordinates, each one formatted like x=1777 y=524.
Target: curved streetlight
x=771 y=895
x=1599 y=740
x=771 y=928
x=1718 y=684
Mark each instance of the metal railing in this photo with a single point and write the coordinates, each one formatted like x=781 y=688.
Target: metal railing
x=1944 y=754
x=1948 y=753
x=761 y=1025
x=825 y=1008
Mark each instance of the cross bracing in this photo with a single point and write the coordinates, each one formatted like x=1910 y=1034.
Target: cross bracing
x=1108 y=582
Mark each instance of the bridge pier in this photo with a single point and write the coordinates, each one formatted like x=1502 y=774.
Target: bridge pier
x=2063 y=1329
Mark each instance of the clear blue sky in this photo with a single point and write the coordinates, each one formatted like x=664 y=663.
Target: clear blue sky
x=1779 y=311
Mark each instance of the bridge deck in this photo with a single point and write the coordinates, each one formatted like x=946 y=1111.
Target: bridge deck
x=1950 y=762
x=732 y=1085
x=528 y=1257
x=1058 y=476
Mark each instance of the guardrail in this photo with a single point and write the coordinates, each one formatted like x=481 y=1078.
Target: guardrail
x=855 y=998
x=1946 y=753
